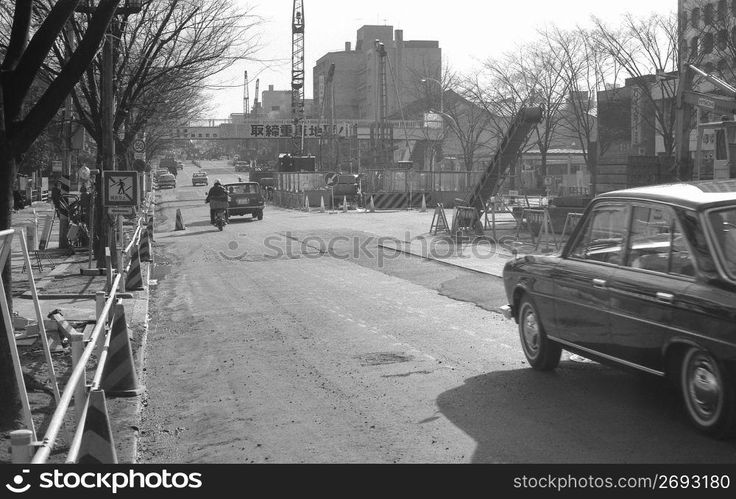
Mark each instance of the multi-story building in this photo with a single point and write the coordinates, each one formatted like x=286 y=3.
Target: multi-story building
x=383 y=68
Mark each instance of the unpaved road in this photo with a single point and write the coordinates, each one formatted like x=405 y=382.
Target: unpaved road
x=261 y=349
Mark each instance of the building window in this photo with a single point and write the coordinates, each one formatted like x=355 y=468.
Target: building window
x=695 y=17
x=707 y=43
x=694 y=41
x=708 y=14
x=275 y=108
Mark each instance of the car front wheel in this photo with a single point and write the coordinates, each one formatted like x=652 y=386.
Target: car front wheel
x=541 y=353
x=708 y=394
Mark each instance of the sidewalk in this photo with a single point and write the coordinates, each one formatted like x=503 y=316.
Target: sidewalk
x=62 y=287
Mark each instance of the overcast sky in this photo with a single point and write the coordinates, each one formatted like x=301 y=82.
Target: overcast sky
x=468 y=31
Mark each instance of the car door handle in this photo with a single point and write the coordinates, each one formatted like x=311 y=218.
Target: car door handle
x=599 y=283
x=665 y=298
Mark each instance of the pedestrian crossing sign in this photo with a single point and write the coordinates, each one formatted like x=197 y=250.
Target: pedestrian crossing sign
x=120 y=188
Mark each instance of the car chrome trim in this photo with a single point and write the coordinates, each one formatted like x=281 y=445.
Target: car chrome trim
x=675 y=329
x=607 y=357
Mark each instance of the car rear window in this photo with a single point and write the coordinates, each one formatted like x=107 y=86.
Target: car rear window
x=723 y=223
x=243 y=189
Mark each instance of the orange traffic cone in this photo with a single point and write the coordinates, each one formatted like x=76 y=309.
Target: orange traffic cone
x=179 y=221
x=344 y=204
x=98 y=446
x=119 y=377
x=322 y=204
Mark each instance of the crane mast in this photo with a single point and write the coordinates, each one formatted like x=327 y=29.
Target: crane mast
x=297 y=73
x=246 y=96
x=256 y=104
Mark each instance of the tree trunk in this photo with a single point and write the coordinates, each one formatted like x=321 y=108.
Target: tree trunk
x=8 y=388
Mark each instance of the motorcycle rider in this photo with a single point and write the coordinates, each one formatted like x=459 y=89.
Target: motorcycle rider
x=217 y=192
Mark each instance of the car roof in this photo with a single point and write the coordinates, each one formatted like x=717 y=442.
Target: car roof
x=195 y=174
x=695 y=195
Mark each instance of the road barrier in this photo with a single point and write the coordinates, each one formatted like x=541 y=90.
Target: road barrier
x=86 y=441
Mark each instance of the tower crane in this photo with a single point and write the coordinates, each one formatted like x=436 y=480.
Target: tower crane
x=246 y=96
x=256 y=104
x=297 y=72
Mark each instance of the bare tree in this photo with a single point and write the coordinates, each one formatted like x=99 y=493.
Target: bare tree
x=647 y=50
x=22 y=120
x=162 y=58
x=531 y=76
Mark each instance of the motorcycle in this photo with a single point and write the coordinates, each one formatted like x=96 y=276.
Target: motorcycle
x=220 y=213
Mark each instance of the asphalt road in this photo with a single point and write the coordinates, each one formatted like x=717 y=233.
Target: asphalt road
x=265 y=348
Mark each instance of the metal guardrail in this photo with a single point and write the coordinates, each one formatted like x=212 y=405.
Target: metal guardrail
x=76 y=387
x=76 y=381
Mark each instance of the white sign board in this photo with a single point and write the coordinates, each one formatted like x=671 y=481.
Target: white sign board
x=120 y=188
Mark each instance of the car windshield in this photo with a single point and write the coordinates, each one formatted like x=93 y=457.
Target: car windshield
x=723 y=223
x=243 y=189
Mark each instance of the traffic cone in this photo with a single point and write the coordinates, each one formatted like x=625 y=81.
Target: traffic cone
x=424 y=205
x=344 y=204
x=98 y=446
x=322 y=204
x=372 y=207
x=306 y=203
x=118 y=376
x=145 y=246
x=133 y=278
x=179 y=221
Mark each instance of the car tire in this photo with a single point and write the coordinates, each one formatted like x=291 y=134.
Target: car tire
x=541 y=353
x=708 y=394
x=260 y=215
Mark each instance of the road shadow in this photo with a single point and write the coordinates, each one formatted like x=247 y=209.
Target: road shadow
x=580 y=413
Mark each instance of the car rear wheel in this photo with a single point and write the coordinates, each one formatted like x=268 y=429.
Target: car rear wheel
x=708 y=393
x=541 y=353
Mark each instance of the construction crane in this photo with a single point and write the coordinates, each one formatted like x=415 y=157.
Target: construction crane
x=327 y=88
x=297 y=73
x=256 y=104
x=381 y=132
x=246 y=96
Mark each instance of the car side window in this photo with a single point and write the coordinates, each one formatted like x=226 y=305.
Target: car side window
x=657 y=243
x=601 y=238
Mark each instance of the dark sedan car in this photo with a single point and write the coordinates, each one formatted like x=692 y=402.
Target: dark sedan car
x=646 y=281
x=245 y=199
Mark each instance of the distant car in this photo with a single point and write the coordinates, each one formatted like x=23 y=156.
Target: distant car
x=647 y=281
x=167 y=181
x=200 y=178
x=160 y=172
x=246 y=198
x=179 y=165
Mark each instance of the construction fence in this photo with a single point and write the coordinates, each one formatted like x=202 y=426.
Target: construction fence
x=391 y=189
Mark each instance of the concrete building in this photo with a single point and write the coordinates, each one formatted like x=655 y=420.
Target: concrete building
x=356 y=85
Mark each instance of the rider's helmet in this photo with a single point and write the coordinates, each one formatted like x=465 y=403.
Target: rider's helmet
x=217 y=181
